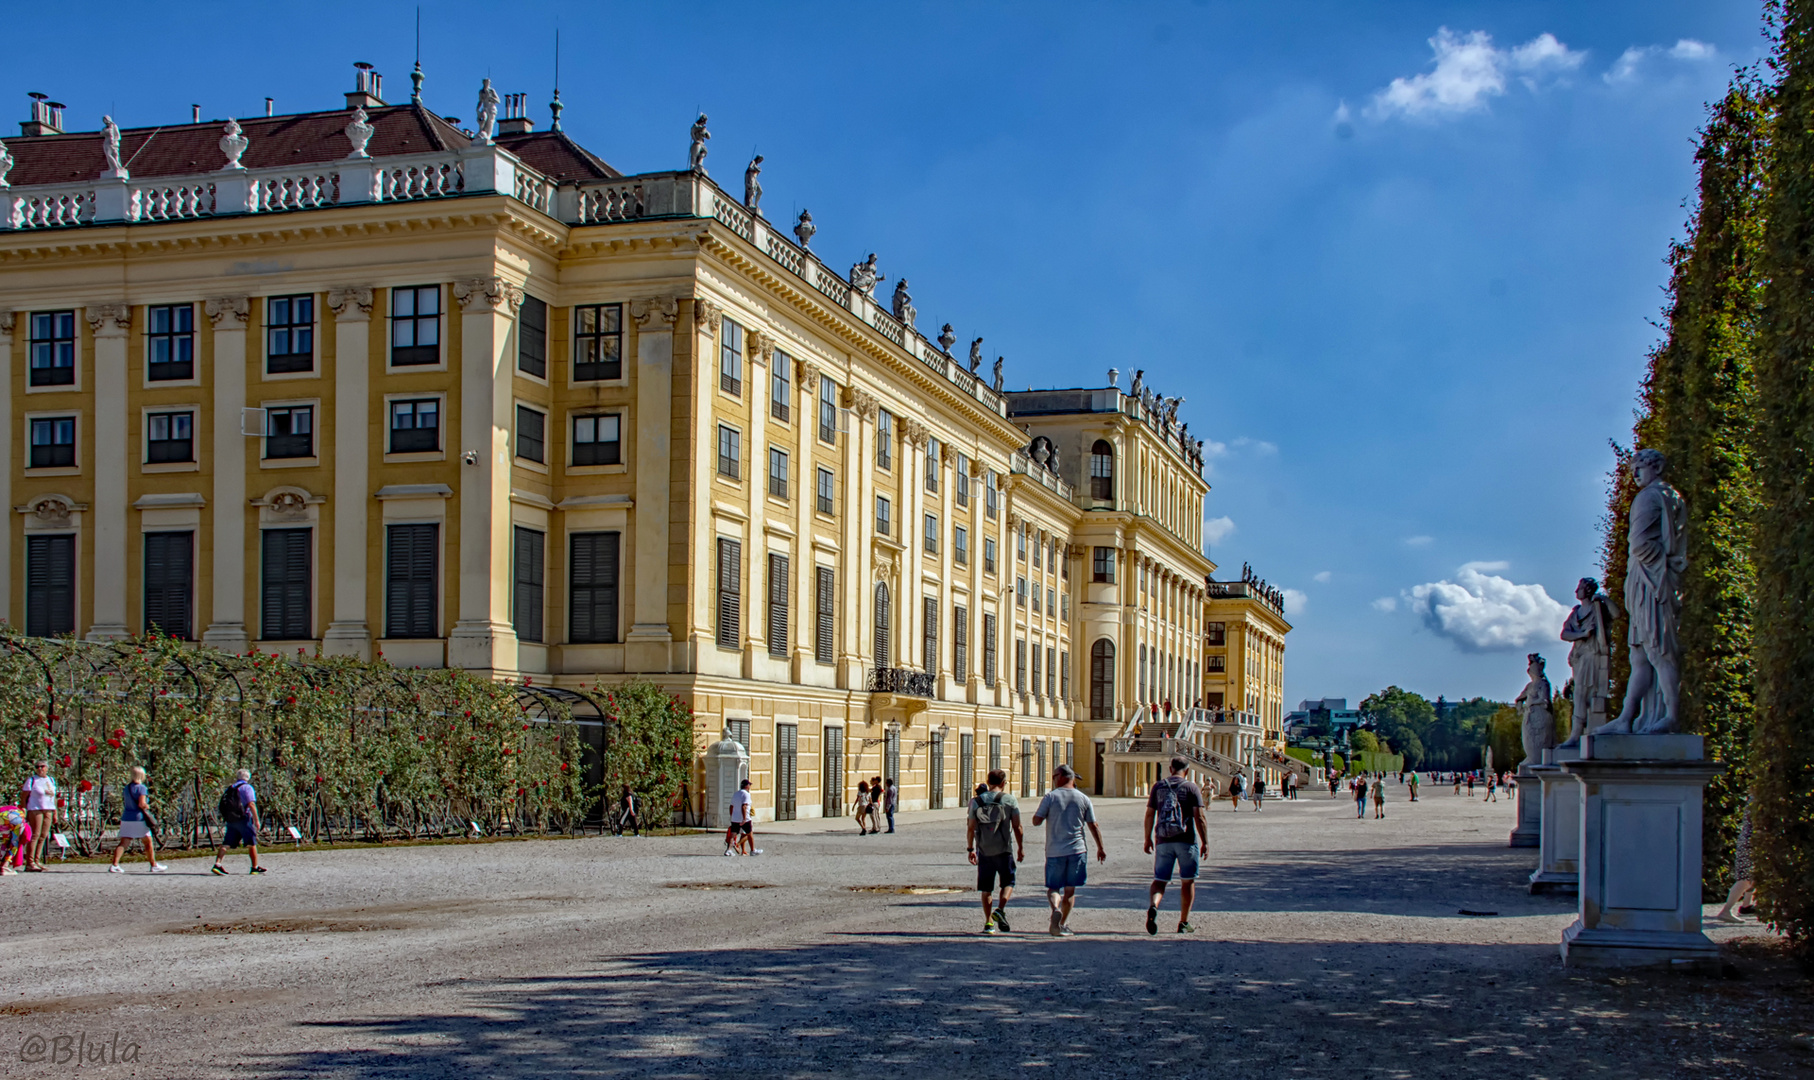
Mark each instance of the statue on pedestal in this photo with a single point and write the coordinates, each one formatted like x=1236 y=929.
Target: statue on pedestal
x=903 y=304
x=752 y=185
x=110 y=148
x=1533 y=704
x=946 y=339
x=976 y=355
x=487 y=112
x=1589 y=628
x=696 y=153
x=998 y=378
x=863 y=276
x=1657 y=558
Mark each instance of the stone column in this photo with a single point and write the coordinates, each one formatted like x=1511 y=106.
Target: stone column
x=109 y=323
x=227 y=628
x=649 y=644
x=483 y=638
x=347 y=633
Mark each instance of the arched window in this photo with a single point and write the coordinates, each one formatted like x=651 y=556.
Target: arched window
x=1102 y=471
x=881 y=626
x=1102 y=680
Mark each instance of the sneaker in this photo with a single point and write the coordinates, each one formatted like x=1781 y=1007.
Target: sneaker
x=158 y=868
x=218 y=869
x=256 y=870
x=1152 y=920
x=1001 y=920
x=758 y=851
x=1186 y=928
x=116 y=868
x=728 y=853
x=989 y=927
x=1065 y=931
x=1056 y=926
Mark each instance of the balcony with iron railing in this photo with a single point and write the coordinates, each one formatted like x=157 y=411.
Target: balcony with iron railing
x=903 y=682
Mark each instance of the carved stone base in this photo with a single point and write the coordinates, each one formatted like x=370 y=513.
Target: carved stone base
x=1559 y=858
x=228 y=637
x=347 y=639
x=648 y=649
x=1529 y=832
x=482 y=645
x=108 y=632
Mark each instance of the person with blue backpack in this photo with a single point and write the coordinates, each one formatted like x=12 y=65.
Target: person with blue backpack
x=239 y=813
x=1177 y=833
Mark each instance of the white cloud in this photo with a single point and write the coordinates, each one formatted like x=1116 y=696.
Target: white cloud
x=1213 y=449
x=1215 y=530
x=1321 y=577
x=1467 y=70
x=1386 y=603
x=1481 y=611
x=1690 y=49
x=1419 y=541
x=1295 y=601
x=1259 y=446
x=1628 y=68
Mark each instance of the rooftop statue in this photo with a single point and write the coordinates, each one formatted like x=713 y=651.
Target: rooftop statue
x=488 y=112
x=110 y=148
x=1139 y=383
x=752 y=185
x=1533 y=703
x=1589 y=628
x=863 y=276
x=6 y=166
x=804 y=228
x=998 y=363
x=946 y=338
x=696 y=153
x=976 y=356
x=1657 y=556
x=903 y=304
x=233 y=144
x=359 y=132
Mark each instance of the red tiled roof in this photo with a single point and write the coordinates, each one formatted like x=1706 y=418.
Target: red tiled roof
x=557 y=157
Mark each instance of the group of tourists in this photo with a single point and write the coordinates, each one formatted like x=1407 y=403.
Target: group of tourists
x=27 y=829
x=875 y=800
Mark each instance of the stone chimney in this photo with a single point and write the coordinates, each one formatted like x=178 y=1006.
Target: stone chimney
x=515 y=119
x=46 y=117
x=368 y=86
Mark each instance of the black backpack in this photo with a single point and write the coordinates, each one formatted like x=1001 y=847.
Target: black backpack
x=231 y=809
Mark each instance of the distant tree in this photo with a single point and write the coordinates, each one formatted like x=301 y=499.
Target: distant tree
x=1401 y=718
x=1506 y=738
x=1362 y=741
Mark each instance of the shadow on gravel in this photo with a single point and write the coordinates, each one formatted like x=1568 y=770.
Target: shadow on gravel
x=1085 y=1007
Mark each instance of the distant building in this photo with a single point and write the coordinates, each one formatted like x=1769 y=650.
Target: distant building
x=1330 y=713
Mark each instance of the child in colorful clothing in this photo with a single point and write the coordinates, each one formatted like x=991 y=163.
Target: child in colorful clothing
x=15 y=837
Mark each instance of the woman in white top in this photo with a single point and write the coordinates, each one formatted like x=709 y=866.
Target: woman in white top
x=40 y=793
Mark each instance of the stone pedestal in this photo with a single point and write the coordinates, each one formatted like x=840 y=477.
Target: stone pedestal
x=726 y=764
x=1559 y=857
x=1529 y=832
x=1640 y=866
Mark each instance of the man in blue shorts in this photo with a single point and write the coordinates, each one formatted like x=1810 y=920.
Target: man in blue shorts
x=1176 y=834
x=1065 y=812
x=239 y=812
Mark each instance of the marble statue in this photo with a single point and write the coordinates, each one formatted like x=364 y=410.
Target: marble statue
x=752 y=185
x=1589 y=629
x=696 y=153
x=6 y=164
x=863 y=276
x=804 y=228
x=998 y=363
x=359 y=131
x=1533 y=703
x=976 y=356
x=1139 y=384
x=110 y=147
x=233 y=144
x=903 y=304
x=946 y=338
x=488 y=112
x=1657 y=556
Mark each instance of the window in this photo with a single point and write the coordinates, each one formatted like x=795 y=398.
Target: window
x=884 y=439
x=53 y=442
x=169 y=583
x=411 y=580
x=777 y=603
x=990 y=495
x=285 y=585
x=1102 y=564
x=169 y=437
x=929 y=632
x=1020 y=543
x=1215 y=633
x=780 y=390
x=170 y=342
x=526 y=583
x=966 y=763
x=50 y=585
x=1064 y=606
x=415 y=426
x=289 y=334
x=881 y=626
x=730 y=593
x=1216 y=663
x=787 y=771
x=290 y=432
x=989 y=651
x=825 y=600
x=1102 y=680
x=960 y=546
x=828 y=410
x=1041 y=771
x=963 y=480
x=833 y=781
x=994 y=752
x=598 y=342
x=960 y=643
x=1102 y=471
x=827 y=492
x=597 y=440
x=730 y=359
x=1051 y=672
x=1020 y=665
x=988 y=554
x=1036 y=599
x=932 y=464
x=1035 y=683
x=730 y=452
x=883 y=516
x=532 y=338
x=739 y=730
x=1051 y=602
x=1064 y=677
x=1020 y=592
x=531 y=432
x=592 y=587
x=416 y=325
x=53 y=348
x=930 y=541
x=1026 y=767
x=777 y=473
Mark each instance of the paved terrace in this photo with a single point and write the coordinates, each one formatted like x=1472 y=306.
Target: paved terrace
x=1326 y=947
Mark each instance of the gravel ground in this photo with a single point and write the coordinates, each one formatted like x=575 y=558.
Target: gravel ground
x=1325 y=946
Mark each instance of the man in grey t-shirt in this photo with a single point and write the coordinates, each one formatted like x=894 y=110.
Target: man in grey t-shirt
x=1065 y=812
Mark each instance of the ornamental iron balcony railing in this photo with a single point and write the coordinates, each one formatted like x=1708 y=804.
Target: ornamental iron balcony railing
x=905 y=682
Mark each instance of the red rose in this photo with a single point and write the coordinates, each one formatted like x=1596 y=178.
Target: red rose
x=53 y=742
x=291 y=700
x=84 y=785
x=320 y=780
x=119 y=733
x=65 y=763
x=564 y=766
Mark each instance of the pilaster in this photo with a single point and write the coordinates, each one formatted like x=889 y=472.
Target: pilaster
x=483 y=637
x=7 y=321
x=109 y=323
x=227 y=625
x=755 y=622
x=347 y=633
x=806 y=442
x=649 y=644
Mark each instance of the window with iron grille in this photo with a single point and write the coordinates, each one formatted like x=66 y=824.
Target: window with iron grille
x=884 y=439
x=170 y=584
x=598 y=342
x=598 y=440
x=730 y=359
x=929 y=631
x=594 y=575
x=1102 y=564
x=169 y=437
x=286 y=584
x=960 y=546
x=884 y=516
x=415 y=426
x=170 y=342
x=825 y=601
x=730 y=593
x=730 y=452
x=989 y=555
x=532 y=338
x=989 y=651
x=827 y=492
x=411 y=586
x=930 y=542
x=289 y=334
x=50 y=585
x=416 y=325
x=527 y=568
x=53 y=348
x=777 y=473
x=781 y=391
x=960 y=643
x=53 y=442
x=531 y=434
x=932 y=464
x=828 y=410
x=777 y=604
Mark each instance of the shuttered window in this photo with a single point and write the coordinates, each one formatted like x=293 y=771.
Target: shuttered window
x=960 y=644
x=824 y=647
x=286 y=580
x=532 y=338
x=1051 y=672
x=526 y=583
x=1020 y=665
x=50 y=585
x=170 y=583
x=593 y=585
x=777 y=604
x=412 y=560
x=730 y=593
x=989 y=651
x=929 y=638
x=882 y=622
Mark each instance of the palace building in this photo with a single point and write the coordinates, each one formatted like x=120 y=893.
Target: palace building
x=365 y=382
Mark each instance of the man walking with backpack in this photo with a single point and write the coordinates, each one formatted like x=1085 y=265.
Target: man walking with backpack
x=993 y=816
x=1177 y=832
x=239 y=810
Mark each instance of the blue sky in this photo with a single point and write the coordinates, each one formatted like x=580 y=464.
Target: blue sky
x=1399 y=258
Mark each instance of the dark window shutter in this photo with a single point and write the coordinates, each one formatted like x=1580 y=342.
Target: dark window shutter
x=881 y=626
x=825 y=647
x=169 y=582
x=594 y=586
x=412 y=561
x=526 y=601
x=284 y=611
x=777 y=604
x=960 y=645
x=730 y=593
x=930 y=642
x=989 y=650
x=532 y=339
x=50 y=586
